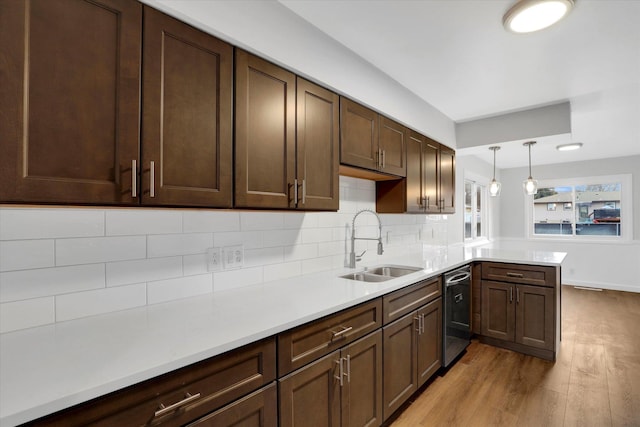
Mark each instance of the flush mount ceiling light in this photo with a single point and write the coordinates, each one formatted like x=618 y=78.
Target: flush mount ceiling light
x=494 y=187
x=527 y=16
x=569 y=147
x=530 y=185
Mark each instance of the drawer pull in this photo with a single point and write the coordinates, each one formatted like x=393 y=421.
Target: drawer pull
x=518 y=275
x=341 y=333
x=162 y=410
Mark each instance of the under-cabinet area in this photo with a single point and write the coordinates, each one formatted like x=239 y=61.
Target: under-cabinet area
x=353 y=366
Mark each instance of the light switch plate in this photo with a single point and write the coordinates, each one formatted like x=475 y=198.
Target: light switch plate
x=233 y=256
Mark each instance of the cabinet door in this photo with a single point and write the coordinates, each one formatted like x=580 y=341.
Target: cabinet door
x=415 y=191
x=535 y=316
x=431 y=176
x=259 y=409
x=311 y=395
x=498 y=310
x=69 y=96
x=358 y=135
x=429 y=340
x=447 y=180
x=187 y=105
x=317 y=131
x=399 y=362
x=392 y=144
x=362 y=390
x=265 y=133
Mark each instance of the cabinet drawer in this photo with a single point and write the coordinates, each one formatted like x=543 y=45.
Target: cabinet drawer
x=397 y=304
x=218 y=381
x=308 y=342
x=517 y=273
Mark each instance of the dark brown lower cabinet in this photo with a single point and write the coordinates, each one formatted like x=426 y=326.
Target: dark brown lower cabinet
x=343 y=388
x=412 y=354
x=520 y=314
x=259 y=409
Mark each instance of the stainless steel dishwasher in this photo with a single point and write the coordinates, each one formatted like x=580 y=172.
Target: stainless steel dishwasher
x=457 y=313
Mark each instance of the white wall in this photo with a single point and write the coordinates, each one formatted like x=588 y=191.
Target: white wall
x=58 y=264
x=608 y=265
x=272 y=31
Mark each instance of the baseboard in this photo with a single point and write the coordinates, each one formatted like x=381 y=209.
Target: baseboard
x=608 y=286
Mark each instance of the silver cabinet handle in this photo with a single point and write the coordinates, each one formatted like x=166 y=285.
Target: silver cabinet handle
x=418 y=319
x=517 y=275
x=517 y=295
x=384 y=158
x=341 y=333
x=340 y=375
x=152 y=178
x=304 y=190
x=348 y=368
x=162 y=410
x=134 y=180
x=511 y=294
x=295 y=191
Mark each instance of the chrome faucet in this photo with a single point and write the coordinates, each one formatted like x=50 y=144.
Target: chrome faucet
x=353 y=257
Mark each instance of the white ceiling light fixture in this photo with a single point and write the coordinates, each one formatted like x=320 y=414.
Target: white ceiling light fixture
x=527 y=16
x=530 y=185
x=569 y=147
x=495 y=186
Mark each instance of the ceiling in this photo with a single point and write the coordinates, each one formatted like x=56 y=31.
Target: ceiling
x=456 y=55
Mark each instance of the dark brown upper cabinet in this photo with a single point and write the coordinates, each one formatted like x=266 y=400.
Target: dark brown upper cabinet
x=317 y=145
x=187 y=115
x=279 y=164
x=371 y=141
x=265 y=134
x=69 y=96
x=429 y=186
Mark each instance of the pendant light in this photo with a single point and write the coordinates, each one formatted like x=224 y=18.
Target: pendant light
x=530 y=185
x=494 y=187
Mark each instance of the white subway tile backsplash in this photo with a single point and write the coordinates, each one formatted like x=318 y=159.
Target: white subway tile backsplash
x=237 y=278
x=205 y=221
x=314 y=235
x=178 y=244
x=19 y=224
x=282 y=271
x=194 y=264
x=26 y=314
x=19 y=285
x=315 y=265
x=83 y=304
x=250 y=239
x=257 y=257
x=100 y=249
x=332 y=248
x=297 y=252
x=26 y=254
x=143 y=270
x=123 y=222
x=281 y=238
x=257 y=221
x=183 y=287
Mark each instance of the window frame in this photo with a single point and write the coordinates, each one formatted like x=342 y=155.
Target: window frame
x=626 y=211
x=476 y=180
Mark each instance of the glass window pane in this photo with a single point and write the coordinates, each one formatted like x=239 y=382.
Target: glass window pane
x=598 y=209
x=468 y=208
x=547 y=217
x=479 y=190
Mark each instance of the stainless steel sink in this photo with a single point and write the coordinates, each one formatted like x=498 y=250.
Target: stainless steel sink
x=393 y=270
x=361 y=276
x=381 y=273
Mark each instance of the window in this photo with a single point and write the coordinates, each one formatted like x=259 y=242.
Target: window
x=474 y=210
x=597 y=206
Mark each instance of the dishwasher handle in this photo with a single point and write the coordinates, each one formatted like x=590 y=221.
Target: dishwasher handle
x=457 y=278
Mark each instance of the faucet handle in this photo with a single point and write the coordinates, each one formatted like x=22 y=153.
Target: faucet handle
x=359 y=257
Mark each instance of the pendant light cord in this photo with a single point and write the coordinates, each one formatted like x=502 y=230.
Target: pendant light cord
x=494 y=164
x=529 y=161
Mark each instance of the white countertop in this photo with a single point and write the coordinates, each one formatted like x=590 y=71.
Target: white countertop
x=49 y=368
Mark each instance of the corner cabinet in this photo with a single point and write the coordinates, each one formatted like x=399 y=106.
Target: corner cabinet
x=371 y=141
x=73 y=141
x=279 y=164
x=520 y=308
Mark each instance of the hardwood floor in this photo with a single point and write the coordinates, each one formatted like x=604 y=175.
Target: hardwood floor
x=594 y=382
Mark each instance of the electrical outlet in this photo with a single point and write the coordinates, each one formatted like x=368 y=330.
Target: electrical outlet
x=233 y=256
x=214 y=259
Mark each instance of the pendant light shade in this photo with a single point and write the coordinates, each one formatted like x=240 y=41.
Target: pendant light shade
x=530 y=185
x=495 y=186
